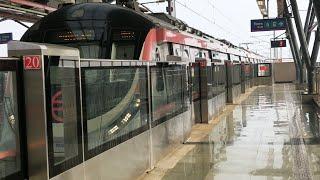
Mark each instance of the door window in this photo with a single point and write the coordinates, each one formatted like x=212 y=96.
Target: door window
x=10 y=143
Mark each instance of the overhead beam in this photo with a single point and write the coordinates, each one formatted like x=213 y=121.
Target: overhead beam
x=21 y=17
x=308 y=17
x=22 y=24
x=34 y=5
x=312 y=27
x=20 y=10
x=309 y=21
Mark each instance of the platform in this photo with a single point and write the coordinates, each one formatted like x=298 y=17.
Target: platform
x=269 y=135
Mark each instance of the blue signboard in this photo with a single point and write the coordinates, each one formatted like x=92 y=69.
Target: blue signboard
x=5 y=38
x=268 y=24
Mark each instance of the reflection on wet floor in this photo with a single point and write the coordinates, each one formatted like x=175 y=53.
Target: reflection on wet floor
x=270 y=135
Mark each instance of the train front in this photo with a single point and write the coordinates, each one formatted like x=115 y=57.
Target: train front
x=114 y=98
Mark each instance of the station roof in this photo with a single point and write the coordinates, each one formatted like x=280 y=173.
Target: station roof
x=24 y=10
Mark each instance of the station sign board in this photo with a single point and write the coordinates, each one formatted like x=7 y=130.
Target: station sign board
x=268 y=24
x=32 y=62
x=278 y=43
x=5 y=38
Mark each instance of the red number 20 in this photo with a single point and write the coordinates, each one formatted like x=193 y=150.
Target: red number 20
x=32 y=62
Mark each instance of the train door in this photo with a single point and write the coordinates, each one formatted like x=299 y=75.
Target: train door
x=12 y=134
x=199 y=92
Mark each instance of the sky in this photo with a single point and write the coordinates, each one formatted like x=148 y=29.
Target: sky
x=223 y=19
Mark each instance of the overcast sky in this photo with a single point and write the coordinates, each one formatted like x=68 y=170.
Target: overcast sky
x=224 y=19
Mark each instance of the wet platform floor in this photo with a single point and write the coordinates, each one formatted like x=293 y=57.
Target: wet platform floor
x=269 y=135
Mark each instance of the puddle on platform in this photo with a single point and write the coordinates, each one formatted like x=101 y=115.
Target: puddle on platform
x=269 y=136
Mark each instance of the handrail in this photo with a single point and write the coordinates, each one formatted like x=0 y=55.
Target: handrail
x=34 y=5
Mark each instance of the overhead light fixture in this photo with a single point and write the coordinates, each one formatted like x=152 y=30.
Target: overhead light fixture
x=263 y=8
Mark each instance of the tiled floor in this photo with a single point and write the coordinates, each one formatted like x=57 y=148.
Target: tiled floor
x=270 y=135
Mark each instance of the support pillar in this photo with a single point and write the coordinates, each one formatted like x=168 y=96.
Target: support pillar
x=304 y=45
x=295 y=58
x=294 y=49
x=301 y=34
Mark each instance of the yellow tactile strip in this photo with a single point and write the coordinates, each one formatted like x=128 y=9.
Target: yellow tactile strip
x=198 y=133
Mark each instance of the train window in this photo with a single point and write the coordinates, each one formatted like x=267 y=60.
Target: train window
x=63 y=121
x=122 y=50
x=177 y=50
x=124 y=44
x=234 y=57
x=86 y=35
x=215 y=55
x=195 y=53
x=186 y=52
x=10 y=161
x=83 y=31
x=115 y=106
x=224 y=56
x=170 y=48
x=89 y=51
x=205 y=54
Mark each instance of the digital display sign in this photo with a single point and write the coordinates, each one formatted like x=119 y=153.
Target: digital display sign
x=124 y=36
x=268 y=24
x=278 y=43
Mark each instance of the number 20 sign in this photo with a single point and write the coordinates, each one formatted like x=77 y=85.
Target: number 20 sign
x=31 y=62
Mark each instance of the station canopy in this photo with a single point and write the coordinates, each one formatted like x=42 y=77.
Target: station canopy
x=25 y=10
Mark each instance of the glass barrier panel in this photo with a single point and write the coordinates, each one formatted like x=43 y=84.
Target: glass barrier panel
x=219 y=79
x=115 y=105
x=63 y=114
x=169 y=92
x=210 y=82
x=10 y=159
x=236 y=74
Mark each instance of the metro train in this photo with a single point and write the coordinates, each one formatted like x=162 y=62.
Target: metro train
x=115 y=99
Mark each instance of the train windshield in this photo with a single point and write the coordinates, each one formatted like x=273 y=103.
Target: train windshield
x=85 y=35
x=124 y=44
x=121 y=50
